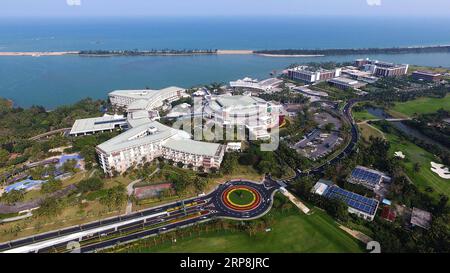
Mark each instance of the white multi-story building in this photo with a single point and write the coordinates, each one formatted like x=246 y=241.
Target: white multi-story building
x=145 y=99
x=148 y=141
x=253 y=84
x=382 y=69
x=256 y=114
x=312 y=75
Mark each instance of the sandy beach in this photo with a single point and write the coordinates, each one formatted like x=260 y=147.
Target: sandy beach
x=219 y=52
x=288 y=56
x=37 y=54
x=234 y=51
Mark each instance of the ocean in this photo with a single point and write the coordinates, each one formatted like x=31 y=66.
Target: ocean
x=55 y=80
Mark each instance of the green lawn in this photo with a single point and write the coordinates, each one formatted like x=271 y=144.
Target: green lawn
x=241 y=197
x=292 y=232
x=363 y=115
x=425 y=177
x=422 y=105
x=368 y=131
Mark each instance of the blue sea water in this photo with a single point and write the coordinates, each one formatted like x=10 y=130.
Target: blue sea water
x=52 y=81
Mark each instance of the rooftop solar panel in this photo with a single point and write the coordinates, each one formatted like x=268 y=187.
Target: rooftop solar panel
x=353 y=200
x=365 y=175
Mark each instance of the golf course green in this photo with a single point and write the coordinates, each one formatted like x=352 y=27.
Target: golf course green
x=422 y=105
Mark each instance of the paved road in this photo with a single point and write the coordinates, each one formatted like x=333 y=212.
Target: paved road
x=108 y=232
x=350 y=147
x=130 y=227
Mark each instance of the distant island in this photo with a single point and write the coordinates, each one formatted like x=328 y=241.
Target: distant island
x=265 y=52
x=353 y=51
x=152 y=52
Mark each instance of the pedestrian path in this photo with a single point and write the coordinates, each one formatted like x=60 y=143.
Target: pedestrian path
x=295 y=200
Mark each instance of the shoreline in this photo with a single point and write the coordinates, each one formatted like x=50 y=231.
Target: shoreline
x=39 y=53
x=289 y=55
x=277 y=53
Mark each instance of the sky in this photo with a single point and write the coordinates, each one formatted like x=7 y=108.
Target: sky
x=64 y=8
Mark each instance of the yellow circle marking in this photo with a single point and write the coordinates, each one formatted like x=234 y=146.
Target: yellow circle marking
x=241 y=189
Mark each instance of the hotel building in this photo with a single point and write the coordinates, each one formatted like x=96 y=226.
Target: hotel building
x=346 y=83
x=426 y=76
x=266 y=85
x=382 y=69
x=147 y=139
x=146 y=142
x=256 y=114
x=311 y=75
x=145 y=99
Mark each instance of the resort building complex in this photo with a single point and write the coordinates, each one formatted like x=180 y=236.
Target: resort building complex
x=145 y=99
x=312 y=75
x=146 y=142
x=266 y=85
x=256 y=114
x=382 y=69
x=426 y=76
x=146 y=139
x=346 y=83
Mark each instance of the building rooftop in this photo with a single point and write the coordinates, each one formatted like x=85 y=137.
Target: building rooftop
x=143 y=93
x=238 y=101
x=370 y=176
x=309 y=69
x=107 y=122
x=143 y=134
x=420 y=218
x=343 y=80
x=192 y=146
x=427 y=73
x=353 y=200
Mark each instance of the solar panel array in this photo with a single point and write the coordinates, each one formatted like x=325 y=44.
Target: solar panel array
x=110 y=121
x=353 y=200
x=365 y=175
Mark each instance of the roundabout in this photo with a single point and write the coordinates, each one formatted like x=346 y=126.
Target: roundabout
x=241 y=199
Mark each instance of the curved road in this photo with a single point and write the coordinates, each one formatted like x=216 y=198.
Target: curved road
x=126 y=228
x=347 y=150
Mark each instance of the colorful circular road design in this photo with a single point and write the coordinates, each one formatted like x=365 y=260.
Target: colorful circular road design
x=230 y=202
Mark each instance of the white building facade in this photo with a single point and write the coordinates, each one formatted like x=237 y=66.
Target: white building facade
x=151 y=99
x=256 y=114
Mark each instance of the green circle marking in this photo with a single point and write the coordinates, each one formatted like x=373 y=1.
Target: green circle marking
x=241 y=197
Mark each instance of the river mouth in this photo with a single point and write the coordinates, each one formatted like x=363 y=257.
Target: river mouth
x=402 y=127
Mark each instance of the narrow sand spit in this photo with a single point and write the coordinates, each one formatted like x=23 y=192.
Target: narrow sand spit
x=234 y=51
x=288 y=56
x=38 y=54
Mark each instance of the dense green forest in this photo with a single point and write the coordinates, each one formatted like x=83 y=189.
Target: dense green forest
x=356 y=51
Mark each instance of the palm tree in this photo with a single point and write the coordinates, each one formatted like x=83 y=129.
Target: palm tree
x=215 y=87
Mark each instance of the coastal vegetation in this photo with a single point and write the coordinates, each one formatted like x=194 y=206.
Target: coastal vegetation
x=152 y=52
x=356 y=51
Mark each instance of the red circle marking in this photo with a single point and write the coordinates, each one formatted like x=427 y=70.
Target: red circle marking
x=250 y=207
